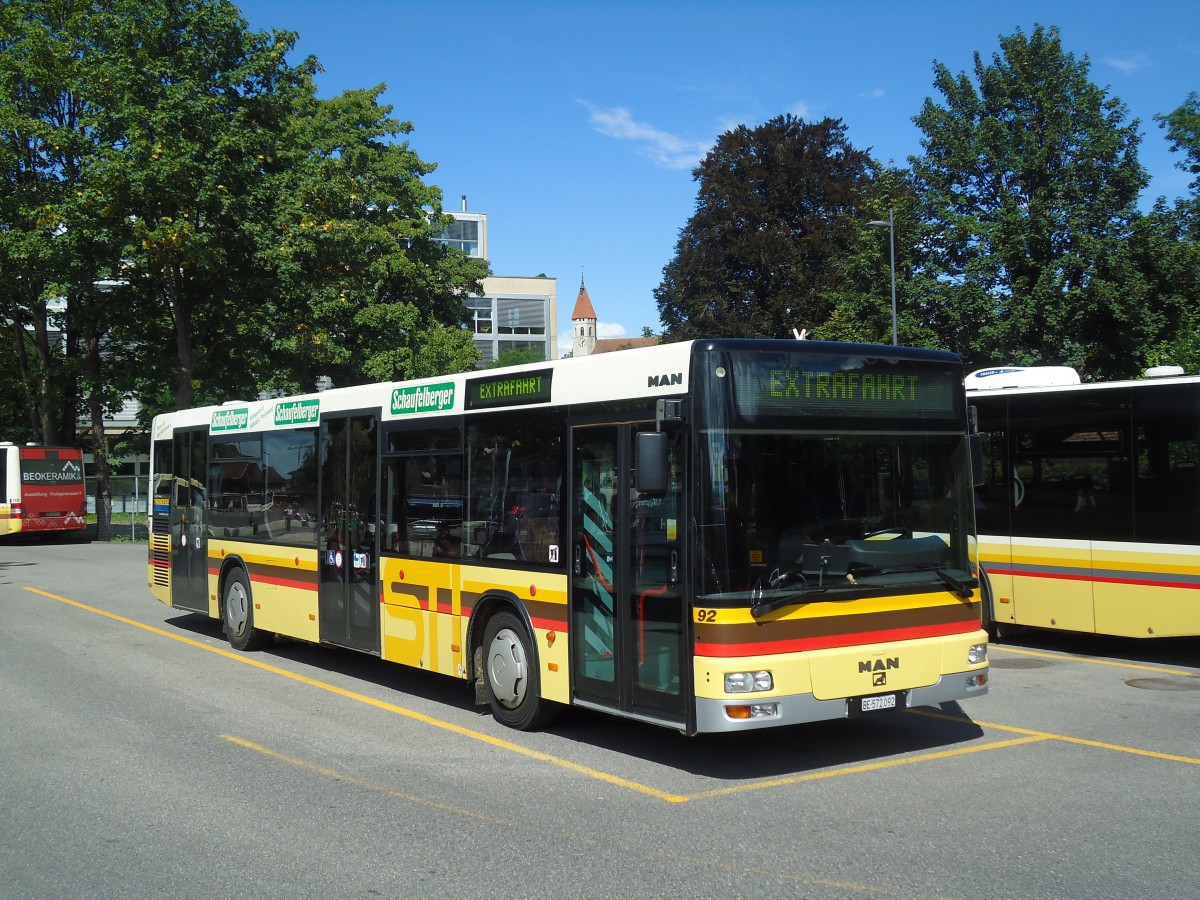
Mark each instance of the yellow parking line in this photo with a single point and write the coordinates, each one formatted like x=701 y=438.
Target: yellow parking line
x=1085 y=659
x=381 y=704
x=638 y=848
x=1030 y=736
x=865 y=767
x=1065 y=738
x=362 y=783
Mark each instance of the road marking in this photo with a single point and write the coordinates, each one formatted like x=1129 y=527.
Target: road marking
x=1095 y=662
x=382 y=704
x=1030 y=735
x=1065 y=738
x=865 y=767
x=584 y=840
x=363 y=783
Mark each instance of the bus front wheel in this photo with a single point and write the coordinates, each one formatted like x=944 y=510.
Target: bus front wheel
x=511 y=674
x=237 y=613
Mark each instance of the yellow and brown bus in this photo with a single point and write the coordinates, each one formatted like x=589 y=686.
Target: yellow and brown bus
x=712 y=536
x=1089 y=514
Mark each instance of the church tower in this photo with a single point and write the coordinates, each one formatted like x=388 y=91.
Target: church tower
x=583 y=324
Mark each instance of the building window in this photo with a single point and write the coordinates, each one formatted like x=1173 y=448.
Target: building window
x=481 y=314
x=521 y=316
x=462 y=235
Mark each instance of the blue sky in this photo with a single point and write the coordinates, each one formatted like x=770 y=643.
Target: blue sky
x=575 y=126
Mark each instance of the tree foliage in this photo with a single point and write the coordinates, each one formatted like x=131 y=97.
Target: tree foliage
x=776 y=211
x=183 y=221
x=366 y=286
x=1028 y=180
x=246 y=234
x=517 y=358
x=861 y=293
x=1183 y=132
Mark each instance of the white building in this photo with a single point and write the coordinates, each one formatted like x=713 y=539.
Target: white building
x=516 y=312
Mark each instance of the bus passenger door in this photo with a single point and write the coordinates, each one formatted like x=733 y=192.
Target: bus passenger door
x=627 y=605
x=189 y=532
x=348 y=555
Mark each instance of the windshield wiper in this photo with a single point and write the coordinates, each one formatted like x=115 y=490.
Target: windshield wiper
x=961 y=588
x=760 y=609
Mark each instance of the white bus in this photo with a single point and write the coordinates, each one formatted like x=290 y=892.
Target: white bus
x=710 y=536
x=1089 y=517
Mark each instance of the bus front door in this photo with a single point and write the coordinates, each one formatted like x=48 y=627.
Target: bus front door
x=348 y=556
x=627 y=605
x=189 y=533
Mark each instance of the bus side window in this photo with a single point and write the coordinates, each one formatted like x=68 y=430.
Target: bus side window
x=514 y=489
x=994 y=496
x=1167 y=485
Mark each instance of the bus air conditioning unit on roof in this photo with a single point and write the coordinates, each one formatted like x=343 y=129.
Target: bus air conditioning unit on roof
x=1021 y=376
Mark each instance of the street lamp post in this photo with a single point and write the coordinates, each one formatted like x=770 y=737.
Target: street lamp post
x=890 y=225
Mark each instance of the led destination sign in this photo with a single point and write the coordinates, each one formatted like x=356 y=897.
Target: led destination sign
x=793 y=385
x=865 y=386
x=509 y=390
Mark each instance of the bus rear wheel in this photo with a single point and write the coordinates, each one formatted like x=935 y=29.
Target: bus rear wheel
x=510 y=672
x=237 y=613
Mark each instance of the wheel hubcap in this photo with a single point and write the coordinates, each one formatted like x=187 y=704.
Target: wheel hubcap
x=507 y=668
x=236 y=609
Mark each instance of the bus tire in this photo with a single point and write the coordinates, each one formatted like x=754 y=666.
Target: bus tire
x=510 y=674
x=237 y=613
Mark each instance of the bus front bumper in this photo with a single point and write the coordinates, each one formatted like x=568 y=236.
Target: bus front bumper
x=742 y=714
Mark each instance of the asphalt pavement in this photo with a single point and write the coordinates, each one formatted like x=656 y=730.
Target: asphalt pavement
x=141 y=757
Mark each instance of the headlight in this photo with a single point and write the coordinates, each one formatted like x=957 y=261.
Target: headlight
x=977 y=653
x=748 y=682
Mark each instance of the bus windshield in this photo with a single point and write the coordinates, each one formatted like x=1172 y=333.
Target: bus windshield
x=828 y=500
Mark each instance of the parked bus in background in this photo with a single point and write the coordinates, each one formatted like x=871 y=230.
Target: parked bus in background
x=41 y=489
x=1089 y=516
x=711 y=536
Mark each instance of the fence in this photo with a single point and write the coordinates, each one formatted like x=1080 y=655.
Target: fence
x=129 y=494
x=129 y=498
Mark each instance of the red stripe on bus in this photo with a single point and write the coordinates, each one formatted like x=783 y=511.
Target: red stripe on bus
x=1105 y=579
x=550 y=624
x=829 y=642
x=283 y=582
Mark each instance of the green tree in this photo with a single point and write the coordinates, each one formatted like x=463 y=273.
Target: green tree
x=365 y=290
x=861 y=293
x=42 y=143
x=1028 y=180
x=160 y=165
x=1160 y=265
x=203 y=109
x=778 y=207
x=1183 y=131
x=517 y=358
x=61 y=232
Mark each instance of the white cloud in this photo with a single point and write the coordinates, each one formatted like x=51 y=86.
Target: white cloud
x=1127 y=65
x=801 y=110
x=667 y=150
x=610 y=330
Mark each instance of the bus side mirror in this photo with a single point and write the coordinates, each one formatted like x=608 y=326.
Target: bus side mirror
x=650 y=461
x=976 y=447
